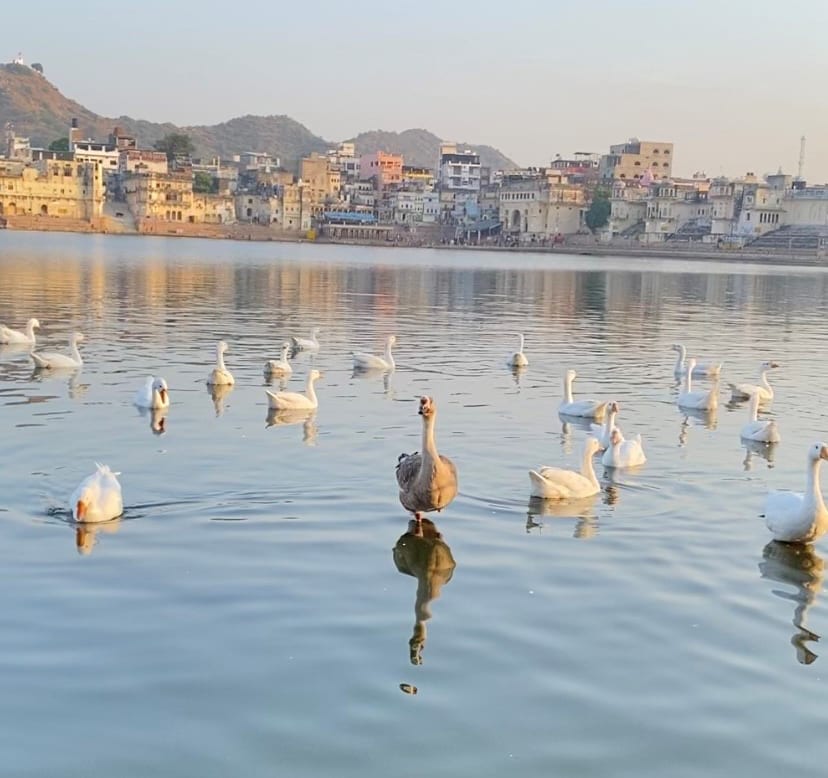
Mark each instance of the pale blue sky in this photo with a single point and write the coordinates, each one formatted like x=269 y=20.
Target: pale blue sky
x=733 y=83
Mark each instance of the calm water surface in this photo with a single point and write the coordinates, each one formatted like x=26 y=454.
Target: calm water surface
x=246 y=616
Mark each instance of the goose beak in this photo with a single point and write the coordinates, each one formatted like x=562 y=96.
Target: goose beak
x=80 y=510
x=823 y=452
x=774 y=364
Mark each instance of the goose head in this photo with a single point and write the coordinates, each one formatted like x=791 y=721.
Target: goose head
x=677 y=347
x=160 y=385
x=691 y=363
x=768 y=365
x=391 y=340
x=77 y=337
x=818 y=451
x=313 y=375
x=221 y=347
x=614 y=407
x=315 y=331
x=427 y=407
x=32 y=324
x=591 y=446
x=571 y=375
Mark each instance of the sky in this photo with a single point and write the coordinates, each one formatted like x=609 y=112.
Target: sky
x=734 y=84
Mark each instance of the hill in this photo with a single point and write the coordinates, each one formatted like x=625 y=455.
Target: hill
x=38 y=110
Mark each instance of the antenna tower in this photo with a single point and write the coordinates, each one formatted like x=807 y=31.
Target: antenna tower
x=801 y=166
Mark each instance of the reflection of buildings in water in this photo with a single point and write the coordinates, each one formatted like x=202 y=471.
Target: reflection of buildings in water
x=218 y=393
x=754 y=449
x=86 y=534
x=421 y=552
x=307 y=419
x=800 y=566
x=583 y=510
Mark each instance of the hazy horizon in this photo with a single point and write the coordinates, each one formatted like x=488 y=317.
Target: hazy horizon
x=733 y=85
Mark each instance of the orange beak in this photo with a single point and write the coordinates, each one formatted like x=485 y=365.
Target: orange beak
x=80 y=510
x=163 y=393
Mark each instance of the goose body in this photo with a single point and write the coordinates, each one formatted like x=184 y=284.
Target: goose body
x=363 y=361
x=295 y=401
x=800 y=517
x=97 y=497
x=623 y=453
x=554 y=483
x=518 y=359
x=603 y=432
x=153 y=394
x=281 y=366
x=48 y=360
x=701 y=369
x=698 y=400
x=8 y=335
x=220 y=375
x=306 y=344
x=760 y=430
x=763 y=389
x=427 y=480
x=590 y=409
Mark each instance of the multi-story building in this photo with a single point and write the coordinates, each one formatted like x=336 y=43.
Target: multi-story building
x=131 y=160
x=458 y=179
x=630 y=161
x=382 y=168
x=628 y=208
x=674 y=206
x=322 y=181
x=344 y=159
x=537 y=204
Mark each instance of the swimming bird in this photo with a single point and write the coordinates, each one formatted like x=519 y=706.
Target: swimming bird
x=427 y=480
x=295 y=401
x=699 y=400
x=281 y=366
x=8 y=335
x=554 y=483
x=590 y=409
x=623 y=453
x=701 y=369
x=518 y=359
x=153 y=394
x=800 y=517
x=763 y=388
x=97 y=497
x=602 y=432
x=363 y=361
x=220 y=375
x=48 y=360
x=761 y=430
x=306 y=344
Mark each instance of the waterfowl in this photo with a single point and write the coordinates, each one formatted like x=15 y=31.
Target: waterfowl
x=363 y=361
x=281 y=366
x=554 y=483
x=295 y=401
x=48 y=360
x=427 y=480
x=97 y=497
x=761 y=430
x=518 y=359
x=763 y=388
x=602 y=432
x=590 y=409
x=800 y=517
x=699 y=400
x=153 y=394
x=623 y=453
x=306 y=344
x=8 y=335
x=701 y=369
x=220 y=375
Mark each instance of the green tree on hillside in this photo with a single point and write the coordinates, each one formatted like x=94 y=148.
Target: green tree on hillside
x=61 y=144
x=598 y=213
x=38 y=67
x=175 y=144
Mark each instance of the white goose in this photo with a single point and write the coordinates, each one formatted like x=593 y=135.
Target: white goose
x=699 y=400
x=220 y=375
x=97 y=497
x=295 y=401
x=590 y=409
x=761 y=430
x=153 y=394
x=281 y=366
x=8 y=335
x=623 y=453
x=48 y=360
x=797 y=517
x=306 y=344
x=763 y=388
x=602 y=432
x=363 y=361
x=554 y=483
x=518 y=359
x=701 y=369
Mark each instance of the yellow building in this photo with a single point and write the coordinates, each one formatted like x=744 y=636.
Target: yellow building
x=637 y=160
x=64 y=189
x=169 y=197
x=322 y=181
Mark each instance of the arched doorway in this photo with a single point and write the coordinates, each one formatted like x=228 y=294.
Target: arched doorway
x=44 y=210
x=516 y=219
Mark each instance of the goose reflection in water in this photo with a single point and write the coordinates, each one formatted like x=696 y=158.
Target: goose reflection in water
x=693 y=418
x=72 y=376
x=800 y=566
x=583 y=511
x=310 y=431
x=517 y=371
x=86 y=534
x=566 y=437
x=754 y=449
x=421 y=552
x=218 y=393
x=374 y=374
x=157 y=418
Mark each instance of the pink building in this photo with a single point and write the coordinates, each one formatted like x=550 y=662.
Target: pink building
x=385 y=169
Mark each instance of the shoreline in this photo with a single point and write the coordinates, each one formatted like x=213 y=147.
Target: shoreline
x=258 y=233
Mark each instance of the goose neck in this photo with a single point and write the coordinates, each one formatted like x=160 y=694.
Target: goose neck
x=813 y=492
x=681 y=356
x=220 y=359
x=389 y=358
x=588 y=467
x=429 y=446
x=75 y=352
x=520 y=343
x=310 y=391
x=568 y=388
x=763 y=379
x=688 y=380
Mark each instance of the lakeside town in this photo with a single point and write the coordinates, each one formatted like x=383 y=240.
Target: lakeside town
x=624 y=198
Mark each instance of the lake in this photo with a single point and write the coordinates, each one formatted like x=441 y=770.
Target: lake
x=248 y=614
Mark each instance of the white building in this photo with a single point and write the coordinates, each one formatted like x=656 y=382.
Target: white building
x=104 y=154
